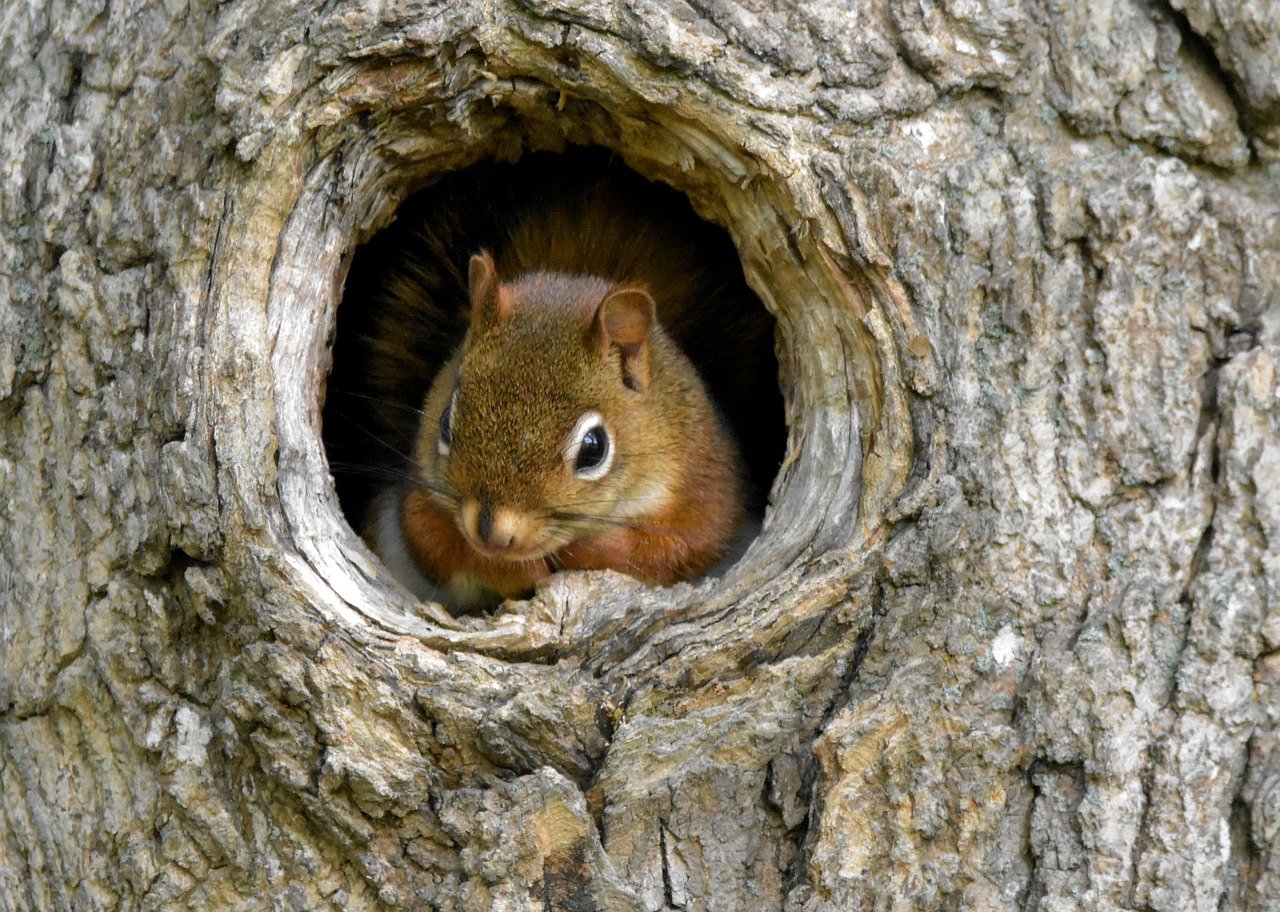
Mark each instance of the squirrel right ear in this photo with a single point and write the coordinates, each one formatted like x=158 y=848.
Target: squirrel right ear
x=490 y=302
x=626 y=318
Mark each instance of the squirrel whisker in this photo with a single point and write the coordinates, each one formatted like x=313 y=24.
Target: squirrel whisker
x=378 y=439
x=388 y=474
x=377 y=400
x=609 y=521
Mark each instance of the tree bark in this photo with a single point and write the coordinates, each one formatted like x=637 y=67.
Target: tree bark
x=1010 y=638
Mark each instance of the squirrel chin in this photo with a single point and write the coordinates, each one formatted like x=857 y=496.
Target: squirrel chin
x=522 y=557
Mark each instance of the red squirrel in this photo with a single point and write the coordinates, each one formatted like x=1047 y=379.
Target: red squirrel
x=567 y=430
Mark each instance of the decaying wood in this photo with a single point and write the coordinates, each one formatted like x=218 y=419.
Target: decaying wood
x=1010 y=639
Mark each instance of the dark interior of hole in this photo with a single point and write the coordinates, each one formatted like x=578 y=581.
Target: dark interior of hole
x=370 y=417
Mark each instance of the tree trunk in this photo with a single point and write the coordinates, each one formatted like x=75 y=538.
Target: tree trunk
x=1010 y=638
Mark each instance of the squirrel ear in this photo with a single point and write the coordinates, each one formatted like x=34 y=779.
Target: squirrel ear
x=625 y=318
x=490 y=302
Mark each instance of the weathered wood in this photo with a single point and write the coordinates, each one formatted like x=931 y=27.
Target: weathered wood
x=1010 y=637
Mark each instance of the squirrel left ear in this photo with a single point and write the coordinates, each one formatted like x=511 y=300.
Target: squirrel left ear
x=490 y=302
x=625 y=318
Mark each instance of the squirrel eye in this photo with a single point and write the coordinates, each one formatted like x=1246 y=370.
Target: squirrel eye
x=591 y=450
x=446 y=426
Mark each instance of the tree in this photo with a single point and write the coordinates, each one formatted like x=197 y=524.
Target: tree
x=1010 y=640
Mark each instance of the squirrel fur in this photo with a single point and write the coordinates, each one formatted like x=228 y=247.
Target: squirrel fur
x=566 y=302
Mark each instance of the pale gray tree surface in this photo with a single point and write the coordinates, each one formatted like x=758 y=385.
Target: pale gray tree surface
x=1010 y=638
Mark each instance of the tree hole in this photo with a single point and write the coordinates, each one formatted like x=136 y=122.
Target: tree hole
x=387 y=353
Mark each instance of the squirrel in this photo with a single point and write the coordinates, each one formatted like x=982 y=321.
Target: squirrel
x=567 y=429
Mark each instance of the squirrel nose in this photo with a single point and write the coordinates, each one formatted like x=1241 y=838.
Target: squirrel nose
x=496 y=527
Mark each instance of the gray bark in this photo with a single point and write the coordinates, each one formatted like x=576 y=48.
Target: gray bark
x=1011 y=636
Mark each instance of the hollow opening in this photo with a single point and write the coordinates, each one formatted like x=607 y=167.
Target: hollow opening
x=406 y=306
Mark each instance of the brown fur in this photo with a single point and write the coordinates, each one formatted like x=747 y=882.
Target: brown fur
x=527 y=371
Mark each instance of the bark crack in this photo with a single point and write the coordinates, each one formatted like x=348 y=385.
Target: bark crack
x=1200 y=50
x=668 y=892
x=48 y=702
x=1244 y=851
x=798 y=874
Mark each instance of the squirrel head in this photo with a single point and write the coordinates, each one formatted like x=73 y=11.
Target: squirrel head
x=560 y=417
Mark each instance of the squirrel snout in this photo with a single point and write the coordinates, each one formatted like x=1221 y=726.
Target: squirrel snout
x=495 y=529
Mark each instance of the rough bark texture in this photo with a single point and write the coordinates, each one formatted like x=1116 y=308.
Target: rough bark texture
x=1010 y=640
